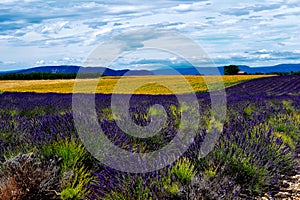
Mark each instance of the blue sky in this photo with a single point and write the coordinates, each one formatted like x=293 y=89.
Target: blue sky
x=58 y=32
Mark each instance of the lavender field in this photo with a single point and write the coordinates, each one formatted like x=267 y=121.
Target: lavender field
x=42 y=156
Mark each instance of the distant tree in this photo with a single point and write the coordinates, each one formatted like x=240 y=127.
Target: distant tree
x=46 y=76
x=295 y=73
x=231 y=70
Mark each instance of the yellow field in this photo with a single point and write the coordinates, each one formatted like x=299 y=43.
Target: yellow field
x=106 y=85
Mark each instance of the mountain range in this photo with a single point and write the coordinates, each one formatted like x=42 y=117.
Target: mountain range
x=66 y=69
x=184 y=70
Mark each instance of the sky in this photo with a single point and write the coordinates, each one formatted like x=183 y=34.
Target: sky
x=60 y=32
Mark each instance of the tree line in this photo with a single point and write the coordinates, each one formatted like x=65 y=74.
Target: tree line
x=46 y=76
x=234 y=70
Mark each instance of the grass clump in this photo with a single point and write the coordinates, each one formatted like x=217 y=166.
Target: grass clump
x=248 y=174
x=248 y=111
x=184 y=171
x=70 y=193
x=285 y=139
x=70 y=150
x=131 y=188
x=75 y=182
x=288 y=106
x=286 y=127
x=116 y=196
x=75 y=176
x=171 y=187
x=209 y=173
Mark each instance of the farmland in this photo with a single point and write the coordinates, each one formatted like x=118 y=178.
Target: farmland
x=106 y=84
x=42 y=155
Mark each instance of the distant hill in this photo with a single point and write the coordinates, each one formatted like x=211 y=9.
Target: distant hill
x=271 y=69
x=190 y=71
x=184 y=70
x=74 y=69
x=210 y=70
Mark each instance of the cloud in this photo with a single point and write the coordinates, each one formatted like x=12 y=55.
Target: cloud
x=17 y=1
x=56 y=29
x=9 y=62
x=40 y=62
x=260 y=7
x=151 y=63
x=188 y=7
x=249 y=9
x=270 y=54
x=126 y=9
x=95 y=24
x=135 y=39
x=88 y=5
x=237 y=12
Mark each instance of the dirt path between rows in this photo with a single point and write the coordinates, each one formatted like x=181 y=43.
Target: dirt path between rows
x=290 y=189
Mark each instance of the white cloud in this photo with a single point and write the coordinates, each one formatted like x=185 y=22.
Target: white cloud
x=88 y=5
x=18 y=1
x=102 y=31
x=264 y=56
x=54 y=27
x=183 y=7
x=5 y=37
x=229 y=21
x=74 y=28
x=9 y=62
x=40 y=62
x=196 y=6
x=125 y=9
x=8 y=1
x=173 y=58
x=31 y=37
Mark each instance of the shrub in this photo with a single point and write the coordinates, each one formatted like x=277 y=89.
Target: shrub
x=287 y=124
x=220 y=186
x=249 y=175
x=27 y=177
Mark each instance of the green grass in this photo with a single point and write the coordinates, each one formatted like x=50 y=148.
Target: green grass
x=71 y=151
x=184 y=171
x=171 y=187
x=73 y=154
